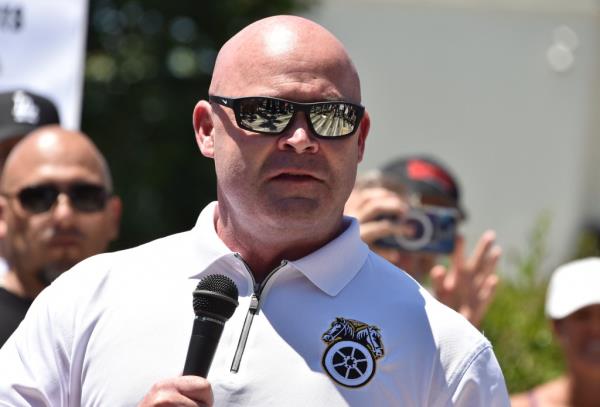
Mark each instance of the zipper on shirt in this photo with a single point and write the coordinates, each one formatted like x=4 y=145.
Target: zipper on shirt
x=252 y=310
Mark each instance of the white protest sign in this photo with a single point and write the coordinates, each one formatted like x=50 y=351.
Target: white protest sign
x=42 y=49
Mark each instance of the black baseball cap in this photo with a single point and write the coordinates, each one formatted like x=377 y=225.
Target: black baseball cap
x=427 y=177
x=22 y=112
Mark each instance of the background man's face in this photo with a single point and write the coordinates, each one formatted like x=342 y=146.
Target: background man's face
x=579 y=335
x=53 y=241
x=417 y=264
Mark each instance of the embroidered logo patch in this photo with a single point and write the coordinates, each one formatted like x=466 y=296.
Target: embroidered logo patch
x=352 y=351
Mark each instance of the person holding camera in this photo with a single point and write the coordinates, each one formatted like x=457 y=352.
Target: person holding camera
x=409 y=211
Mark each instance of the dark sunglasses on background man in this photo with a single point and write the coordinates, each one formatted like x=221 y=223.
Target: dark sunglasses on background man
x=273 y=116
x=83 y=197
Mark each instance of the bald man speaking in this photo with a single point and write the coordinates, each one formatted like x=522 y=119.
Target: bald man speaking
x=321 y=321
x=56 y=209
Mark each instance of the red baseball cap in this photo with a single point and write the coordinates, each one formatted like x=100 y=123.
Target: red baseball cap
x=428 y=178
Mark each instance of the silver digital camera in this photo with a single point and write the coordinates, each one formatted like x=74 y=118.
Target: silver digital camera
x=428 y=229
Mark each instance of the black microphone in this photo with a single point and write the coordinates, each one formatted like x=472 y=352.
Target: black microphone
x=215 y=299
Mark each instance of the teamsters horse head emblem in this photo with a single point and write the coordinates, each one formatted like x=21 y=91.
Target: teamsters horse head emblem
x=353 y=348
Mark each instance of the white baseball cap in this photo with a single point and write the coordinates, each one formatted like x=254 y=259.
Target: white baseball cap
x=573 y=286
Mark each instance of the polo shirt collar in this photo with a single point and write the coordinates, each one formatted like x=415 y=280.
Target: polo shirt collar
x=330 y=268
x=334 y=265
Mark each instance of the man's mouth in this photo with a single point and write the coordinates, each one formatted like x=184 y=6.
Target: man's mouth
x=593 y=347
x=65 y=239
x=294 y=177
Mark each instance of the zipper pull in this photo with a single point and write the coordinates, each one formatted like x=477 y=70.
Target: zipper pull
x=253 y=304
x=252 y=310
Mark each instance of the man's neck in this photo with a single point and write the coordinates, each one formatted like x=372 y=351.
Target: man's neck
x=262 y=249
x=15 y=285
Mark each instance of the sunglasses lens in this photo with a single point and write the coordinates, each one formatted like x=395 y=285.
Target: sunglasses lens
x=38 y=199
x=83 y=197
x=264 y=115
x=334 y=119
x=88 y=197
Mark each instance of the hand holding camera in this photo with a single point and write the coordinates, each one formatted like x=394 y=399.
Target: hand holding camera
x=430 y=229
x=376 y=210
x=387 y=221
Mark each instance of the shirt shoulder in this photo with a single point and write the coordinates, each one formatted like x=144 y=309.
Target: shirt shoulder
x=451 y=350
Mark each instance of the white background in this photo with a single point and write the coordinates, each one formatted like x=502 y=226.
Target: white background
x=46 y=54
x=470 y=82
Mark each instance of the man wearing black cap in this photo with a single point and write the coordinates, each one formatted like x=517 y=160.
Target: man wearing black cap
x=21 y=112
x=421 y=194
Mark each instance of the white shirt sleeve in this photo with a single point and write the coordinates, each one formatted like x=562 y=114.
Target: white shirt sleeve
x=482 y=383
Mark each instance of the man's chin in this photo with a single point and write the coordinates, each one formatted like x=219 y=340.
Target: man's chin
x=295 y=207
x=59 y=264
x=51 y=271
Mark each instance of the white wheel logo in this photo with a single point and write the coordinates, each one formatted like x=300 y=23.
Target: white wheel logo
x=349 y=363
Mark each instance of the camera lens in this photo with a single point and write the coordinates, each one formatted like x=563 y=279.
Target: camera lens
x=421 y=231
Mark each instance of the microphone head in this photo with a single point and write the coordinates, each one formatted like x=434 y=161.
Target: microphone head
x=216 y=297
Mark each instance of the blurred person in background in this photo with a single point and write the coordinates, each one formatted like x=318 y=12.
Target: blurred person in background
x=56 y=209
x=409 y=211
x=20 y=113
x=573 y=307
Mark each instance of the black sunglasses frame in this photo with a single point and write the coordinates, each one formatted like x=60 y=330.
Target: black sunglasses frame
x=47 y=195
x=236 y=103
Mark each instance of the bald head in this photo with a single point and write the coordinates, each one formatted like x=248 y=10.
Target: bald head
x=51 y=146
x=54 y=207
x=285 y=49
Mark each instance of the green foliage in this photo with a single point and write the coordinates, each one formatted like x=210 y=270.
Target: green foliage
x=148 y=63
x=516 y=324
x=588 y=244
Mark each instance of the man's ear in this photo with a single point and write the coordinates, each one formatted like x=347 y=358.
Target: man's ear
x=364 y=126
x=3 y=209
x=203 y=128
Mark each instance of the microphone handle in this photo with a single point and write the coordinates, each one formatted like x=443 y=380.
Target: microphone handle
x=203 y=345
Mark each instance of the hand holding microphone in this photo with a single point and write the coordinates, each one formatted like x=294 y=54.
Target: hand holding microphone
x=215 y=300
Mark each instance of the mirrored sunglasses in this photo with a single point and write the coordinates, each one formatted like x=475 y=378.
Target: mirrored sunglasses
x=83 y=197
x=273 y=116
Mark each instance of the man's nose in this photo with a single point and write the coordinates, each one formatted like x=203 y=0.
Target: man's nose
x=299 y=137
x=63 y=211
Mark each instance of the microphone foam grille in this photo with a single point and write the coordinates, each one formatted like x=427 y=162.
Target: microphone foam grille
x=219 y=283
x=215 y=295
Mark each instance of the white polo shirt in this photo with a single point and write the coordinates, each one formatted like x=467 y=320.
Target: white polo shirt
x=338 y=327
